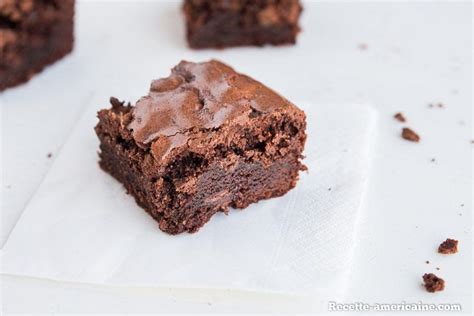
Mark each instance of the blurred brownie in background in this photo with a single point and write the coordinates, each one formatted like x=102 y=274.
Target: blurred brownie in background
x=225 y=23
x=33 y=34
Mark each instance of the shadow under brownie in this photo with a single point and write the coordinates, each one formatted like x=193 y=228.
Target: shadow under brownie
x=204 y=139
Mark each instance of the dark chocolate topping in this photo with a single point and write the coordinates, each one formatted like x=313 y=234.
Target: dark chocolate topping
x=198 y=96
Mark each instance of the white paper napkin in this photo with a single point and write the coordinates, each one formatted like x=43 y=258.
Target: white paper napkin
x=82 y=226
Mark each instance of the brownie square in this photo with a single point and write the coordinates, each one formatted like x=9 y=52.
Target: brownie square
x=33 y=34
x=225 y=23
x=204 y=139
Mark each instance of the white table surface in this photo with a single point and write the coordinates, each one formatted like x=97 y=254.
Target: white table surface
x=417 y=53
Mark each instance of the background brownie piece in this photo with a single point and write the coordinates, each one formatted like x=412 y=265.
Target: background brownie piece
x=33 y=34
x=223 y=23
x=204 y=139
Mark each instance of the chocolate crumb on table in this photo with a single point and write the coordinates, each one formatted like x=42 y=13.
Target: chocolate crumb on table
x=400 y=117
x=410 y=135
x=438 y=105
x=49 y=155
x=449 y=246
x=427 y=262
x=433 y=283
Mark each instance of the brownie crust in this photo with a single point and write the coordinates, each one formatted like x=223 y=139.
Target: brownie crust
x=227 y=23
x=33 y=35
x=203 y=140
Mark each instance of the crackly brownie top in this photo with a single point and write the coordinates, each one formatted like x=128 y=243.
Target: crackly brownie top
x=196 y=97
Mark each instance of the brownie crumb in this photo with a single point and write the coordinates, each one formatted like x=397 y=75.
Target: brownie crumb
x=363 y=46
x=437 y=268
x=438 y=105
x=433 y=283
x=49 y=155
x=427 y=262
x=433 y=159
x=449 y=246
x=410 y=135
x=399 y=117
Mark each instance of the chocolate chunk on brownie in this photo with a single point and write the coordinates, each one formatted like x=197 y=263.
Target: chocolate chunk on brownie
x=432 y=283
x=449 y=246
x=203 y=140
x=225 y=23
x=33 y=34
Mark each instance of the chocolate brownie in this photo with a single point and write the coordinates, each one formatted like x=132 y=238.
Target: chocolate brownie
x=225 y=23
x=204 y=139
x=33 y=34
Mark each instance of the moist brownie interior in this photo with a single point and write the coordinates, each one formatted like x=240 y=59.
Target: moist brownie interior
x=226 y=23
x=204 y=139
x=33 y=34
